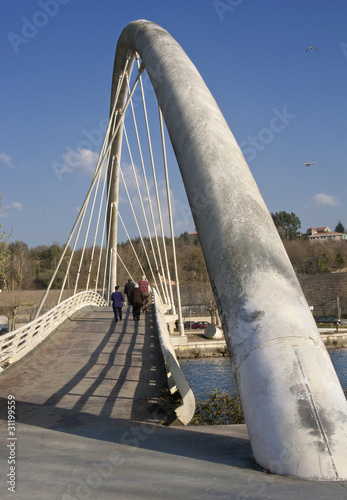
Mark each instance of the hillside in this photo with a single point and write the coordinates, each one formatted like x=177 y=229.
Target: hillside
x=30 y=269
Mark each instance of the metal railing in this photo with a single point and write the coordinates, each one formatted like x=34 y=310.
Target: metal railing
x=14 y=345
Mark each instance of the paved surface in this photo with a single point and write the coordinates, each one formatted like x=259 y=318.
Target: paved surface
x=88 y=410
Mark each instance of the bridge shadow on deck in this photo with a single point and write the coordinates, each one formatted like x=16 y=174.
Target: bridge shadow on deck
x=151 y=380
x=131 y=365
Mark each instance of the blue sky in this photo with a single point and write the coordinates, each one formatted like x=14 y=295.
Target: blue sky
x=284 y=105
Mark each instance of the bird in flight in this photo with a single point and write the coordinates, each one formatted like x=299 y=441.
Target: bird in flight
x=308 y=164
x=311 y=48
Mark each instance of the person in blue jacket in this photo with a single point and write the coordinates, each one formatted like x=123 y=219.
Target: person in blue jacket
x=118 y=301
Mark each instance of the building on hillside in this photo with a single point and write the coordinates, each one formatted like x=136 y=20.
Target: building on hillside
x=324 y=234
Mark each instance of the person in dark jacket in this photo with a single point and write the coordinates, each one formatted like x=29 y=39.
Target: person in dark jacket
x=117 y=299
x=136 y=299
x=127 y=289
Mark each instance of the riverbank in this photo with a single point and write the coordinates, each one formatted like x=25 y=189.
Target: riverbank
x=205 y=374
x=196 y=345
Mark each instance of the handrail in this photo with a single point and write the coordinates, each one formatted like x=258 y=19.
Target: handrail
x=176 y=379
x=16 y=344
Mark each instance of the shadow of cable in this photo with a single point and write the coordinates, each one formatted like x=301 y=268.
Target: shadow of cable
x=126 y=360
x=79 y=376
x=132 y=342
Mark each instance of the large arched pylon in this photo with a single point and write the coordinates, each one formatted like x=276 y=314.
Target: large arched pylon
x=295 y=409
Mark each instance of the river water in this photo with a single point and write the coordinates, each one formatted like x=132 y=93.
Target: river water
x=206 y=374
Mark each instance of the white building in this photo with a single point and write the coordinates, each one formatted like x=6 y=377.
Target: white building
x=324 y=234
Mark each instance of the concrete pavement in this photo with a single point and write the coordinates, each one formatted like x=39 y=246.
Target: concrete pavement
x=88 y=413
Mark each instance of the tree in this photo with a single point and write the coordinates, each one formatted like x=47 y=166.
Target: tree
x=287 y=225
x=4 y=253
x=18 y=267
x=339 y=227
x=210 y=303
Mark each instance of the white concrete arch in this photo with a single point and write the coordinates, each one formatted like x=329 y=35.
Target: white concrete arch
x=295 y=409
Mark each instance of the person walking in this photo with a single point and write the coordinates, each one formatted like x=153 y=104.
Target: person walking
x=145 y=289
x=136 y=300
x=127 y=289
x=118 y=301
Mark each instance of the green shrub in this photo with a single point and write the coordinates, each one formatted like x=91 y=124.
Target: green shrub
x=219 y=409
x=339 y=259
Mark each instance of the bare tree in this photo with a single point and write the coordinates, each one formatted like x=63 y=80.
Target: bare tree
x=210 y=303
x=4 y=253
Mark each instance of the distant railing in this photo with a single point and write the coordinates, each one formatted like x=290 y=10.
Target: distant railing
x=176 y=379
x=14 y=345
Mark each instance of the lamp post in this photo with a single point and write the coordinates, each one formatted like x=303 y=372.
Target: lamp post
x=338 y=308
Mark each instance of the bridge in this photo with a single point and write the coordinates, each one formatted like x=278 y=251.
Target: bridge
x=91 y=392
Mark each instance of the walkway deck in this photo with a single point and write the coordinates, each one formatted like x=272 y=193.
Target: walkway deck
x=87 y=426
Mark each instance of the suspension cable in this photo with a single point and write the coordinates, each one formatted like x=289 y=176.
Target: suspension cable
x=147 y=188
x=108 y=256
x=105 y=155
x=104 y=226
x=121 y=113
x=169 y=211
x=72 y=252
x=139 y=230
x=78 y=219
x=125 y=267
x=87 y=232
x=181 y=329
x=96 y=232
x=86 y=200
x=143 y=208
x=131 y=244
x=152 y=161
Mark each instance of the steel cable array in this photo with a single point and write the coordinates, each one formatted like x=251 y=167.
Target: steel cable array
x=97 y=211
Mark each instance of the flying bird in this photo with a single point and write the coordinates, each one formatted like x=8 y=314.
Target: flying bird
x=311 y=48
x=310 y=163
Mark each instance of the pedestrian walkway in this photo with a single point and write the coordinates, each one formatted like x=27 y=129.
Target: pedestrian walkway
x=88 y=426
x=92 y=366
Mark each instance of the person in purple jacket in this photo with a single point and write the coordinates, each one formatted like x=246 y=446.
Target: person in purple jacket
x=118 y=301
